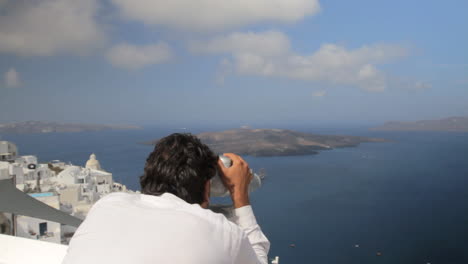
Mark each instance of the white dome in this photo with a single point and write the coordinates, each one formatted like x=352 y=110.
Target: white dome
x=70 y=171
x=93 y=163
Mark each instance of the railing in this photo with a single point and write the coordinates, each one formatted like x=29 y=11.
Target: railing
x=18 y=250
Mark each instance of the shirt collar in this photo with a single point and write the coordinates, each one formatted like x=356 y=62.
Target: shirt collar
x=165 y=196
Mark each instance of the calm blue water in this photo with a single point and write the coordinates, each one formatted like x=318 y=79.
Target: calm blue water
x=407 y=199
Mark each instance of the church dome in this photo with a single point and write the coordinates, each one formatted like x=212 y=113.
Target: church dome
x=93 y=163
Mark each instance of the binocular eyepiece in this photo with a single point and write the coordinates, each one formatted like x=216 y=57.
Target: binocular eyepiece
x=219 y=190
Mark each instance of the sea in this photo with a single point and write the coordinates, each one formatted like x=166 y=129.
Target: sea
x=401 y=201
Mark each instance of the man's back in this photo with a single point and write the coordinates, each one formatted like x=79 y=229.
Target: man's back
x=138 y=228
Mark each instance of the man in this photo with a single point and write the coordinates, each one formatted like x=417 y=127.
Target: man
x=169 y=221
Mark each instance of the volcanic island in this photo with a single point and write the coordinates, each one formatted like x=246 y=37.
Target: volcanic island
x=276 y=142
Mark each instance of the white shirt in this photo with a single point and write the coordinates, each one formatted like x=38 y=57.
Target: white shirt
x=139 y=228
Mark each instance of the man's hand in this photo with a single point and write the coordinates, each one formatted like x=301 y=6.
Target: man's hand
x=236 y=179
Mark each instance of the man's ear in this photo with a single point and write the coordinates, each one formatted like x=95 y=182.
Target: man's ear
x=206 y=195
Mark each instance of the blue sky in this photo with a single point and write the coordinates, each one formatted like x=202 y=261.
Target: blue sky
x=257 y=62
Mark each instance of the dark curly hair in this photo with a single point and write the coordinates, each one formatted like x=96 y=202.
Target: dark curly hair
x=179 y=164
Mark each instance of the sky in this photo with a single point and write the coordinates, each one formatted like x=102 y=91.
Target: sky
x=244 y=62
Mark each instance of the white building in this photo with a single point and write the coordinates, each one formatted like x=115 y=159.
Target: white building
x=81 y=187
x=5 y=223
x=35 y=228
x=5 y=218
x=57 y=164
x=4 y=170
x=8 y=151
x=69 y=188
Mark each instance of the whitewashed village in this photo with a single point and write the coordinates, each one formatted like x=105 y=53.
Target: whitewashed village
x=70 y=188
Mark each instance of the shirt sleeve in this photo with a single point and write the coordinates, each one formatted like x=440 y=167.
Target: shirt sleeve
x=254 y=245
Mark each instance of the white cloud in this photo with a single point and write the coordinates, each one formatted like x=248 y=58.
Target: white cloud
x=134 y=57
x=268 y=43
x=204 y=15
x=420 y=85
x=320 y=93
x=48 y=27
x=269 y=54
x=12 y=78
x=408 y=83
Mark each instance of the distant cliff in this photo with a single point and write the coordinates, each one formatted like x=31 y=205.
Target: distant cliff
x=454 y=124
x=48 y=127
x=276 y=142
